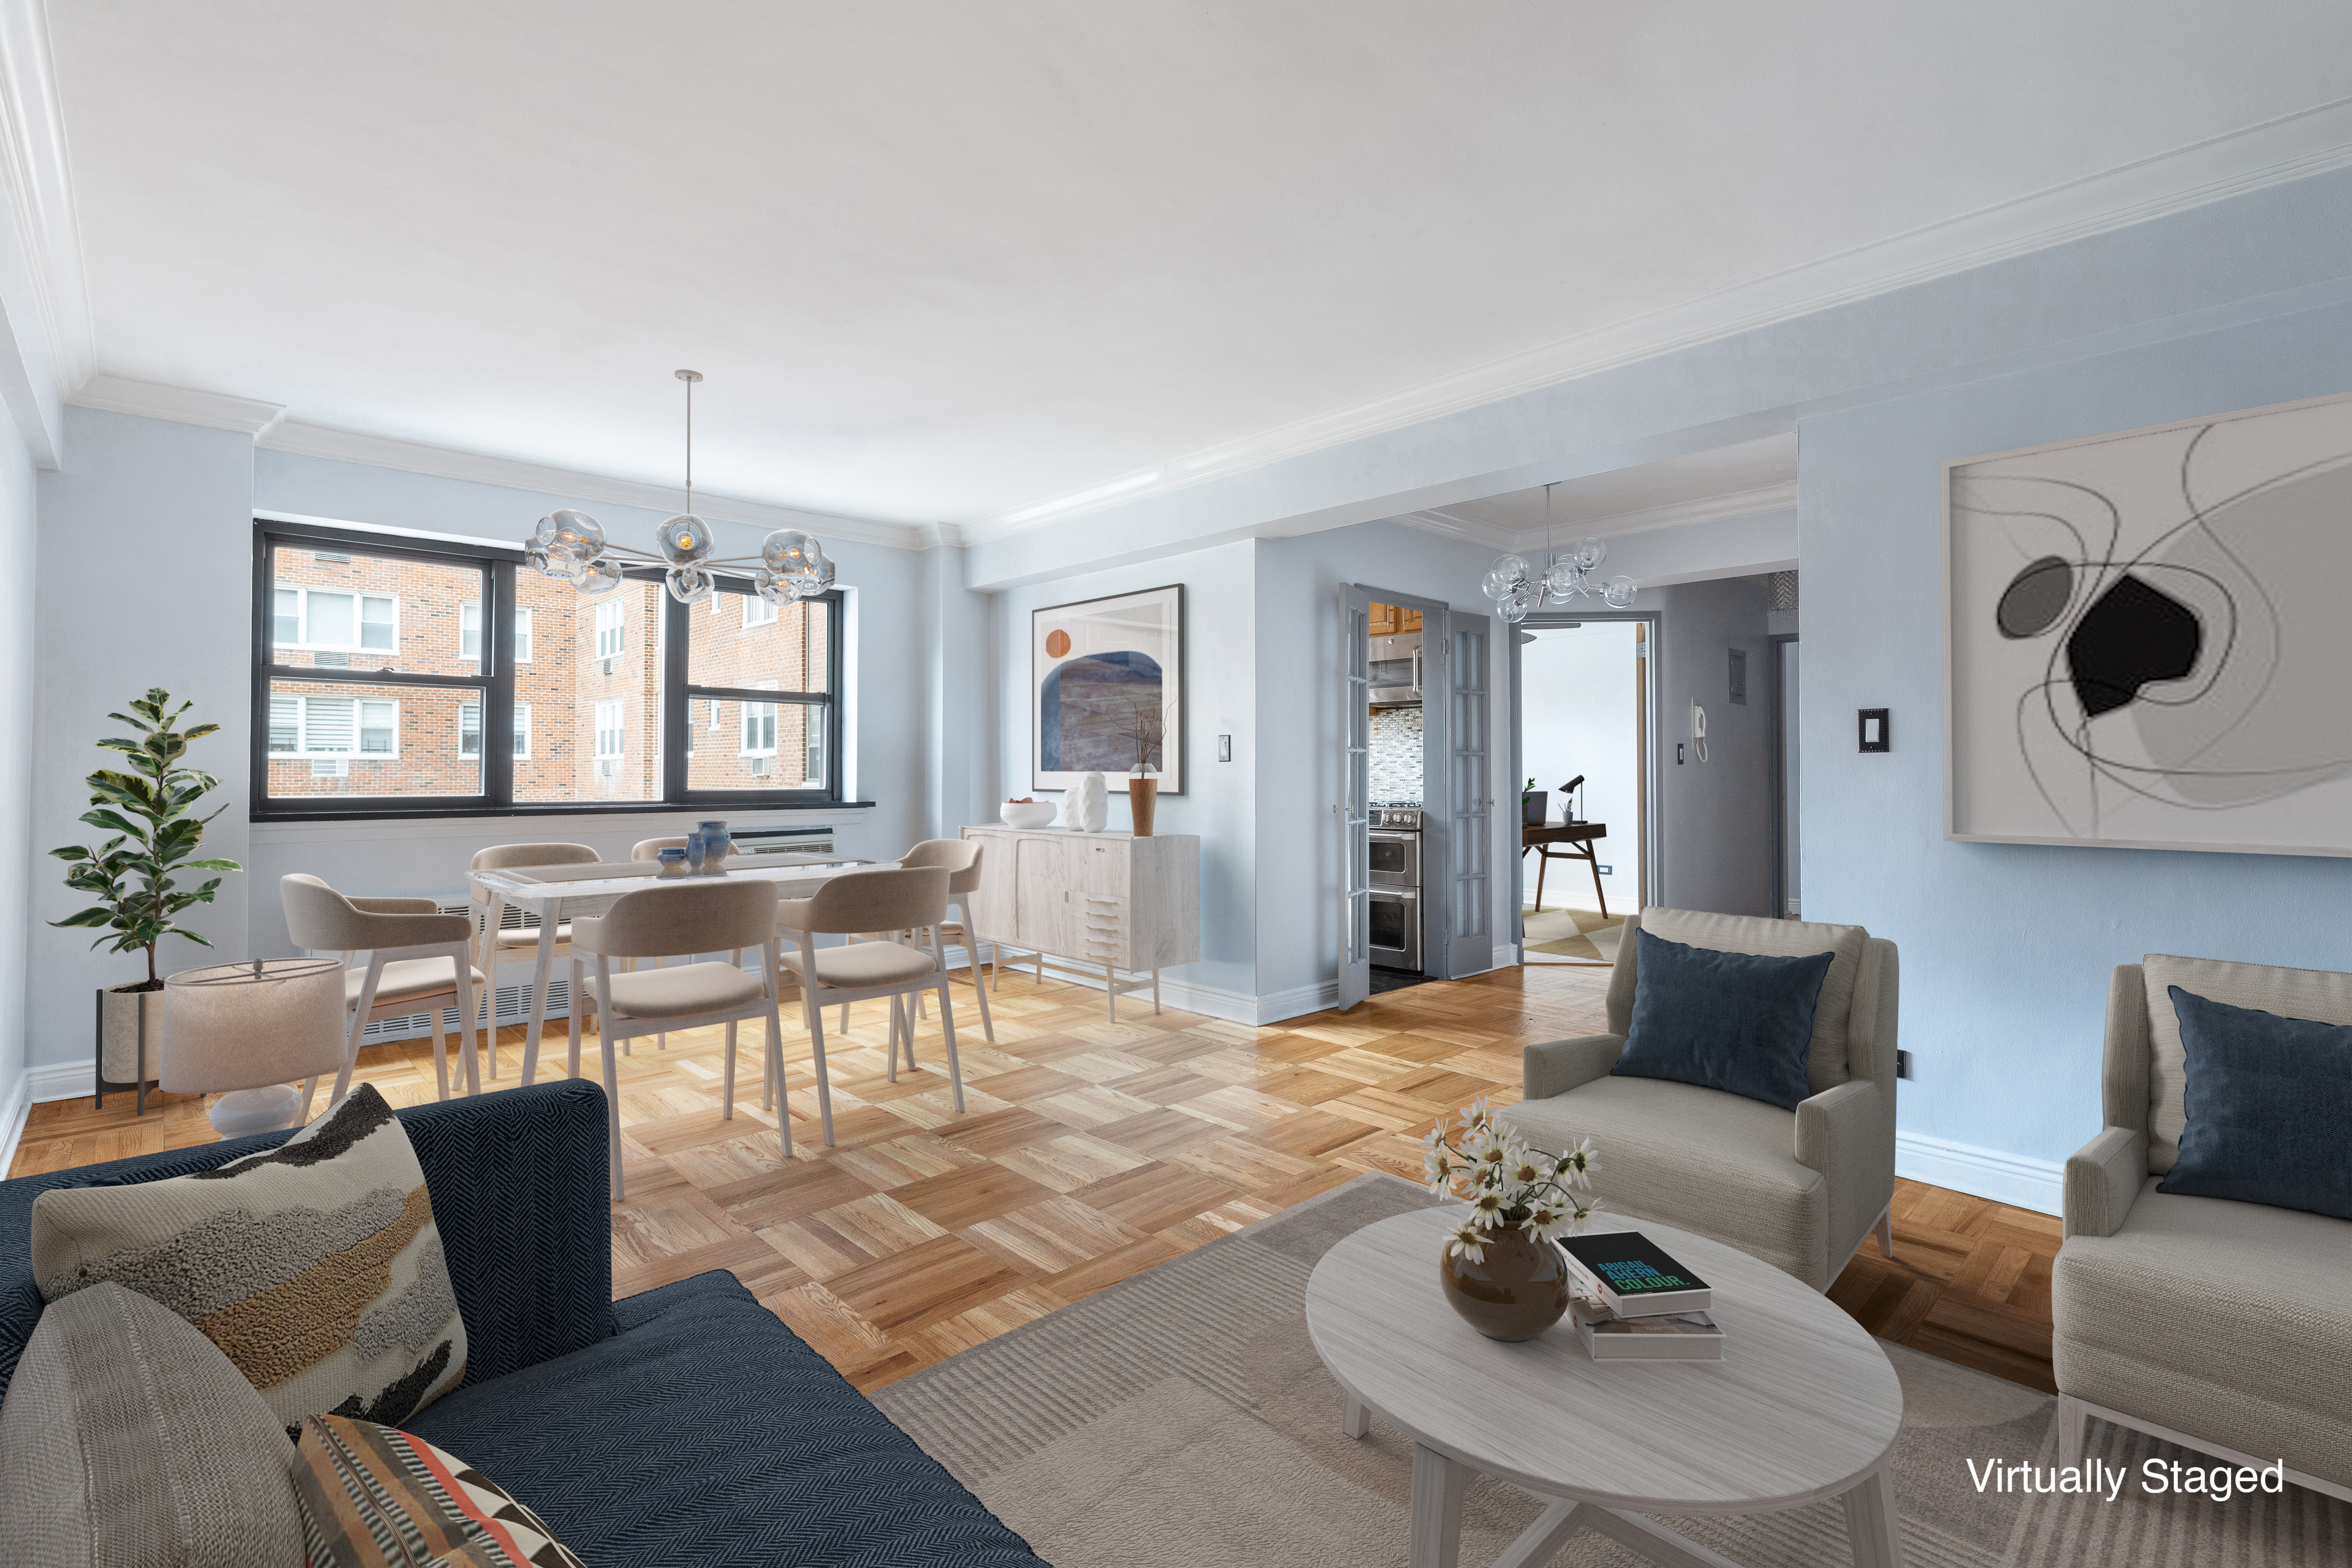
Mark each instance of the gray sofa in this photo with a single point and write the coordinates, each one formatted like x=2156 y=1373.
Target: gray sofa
x=2225 y=1327
x=1798 y=1190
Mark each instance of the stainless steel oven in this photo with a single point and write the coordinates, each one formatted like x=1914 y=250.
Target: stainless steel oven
x=1396 y=858
x=1396 y=928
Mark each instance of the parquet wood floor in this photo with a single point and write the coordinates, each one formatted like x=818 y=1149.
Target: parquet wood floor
x=1088 y=1152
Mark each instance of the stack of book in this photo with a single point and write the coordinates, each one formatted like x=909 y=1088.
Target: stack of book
x=1634 y=1302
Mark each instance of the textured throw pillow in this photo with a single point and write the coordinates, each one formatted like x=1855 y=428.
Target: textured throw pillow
x=1827 y=1064
x=1738 y=1022
x=127 y=1438
x=315 y=1266
x=374 y=1496
x=2269 y=1103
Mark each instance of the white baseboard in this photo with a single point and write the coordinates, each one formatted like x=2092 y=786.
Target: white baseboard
x=1296 y=1002
x=61 y=1080
x=2018 y=1180
x=15 y=1104
x=1507 y=956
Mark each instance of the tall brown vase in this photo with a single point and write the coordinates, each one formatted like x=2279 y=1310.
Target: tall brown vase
x=1142 y=799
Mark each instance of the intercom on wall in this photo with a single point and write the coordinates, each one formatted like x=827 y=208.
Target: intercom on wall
x=1699 y=730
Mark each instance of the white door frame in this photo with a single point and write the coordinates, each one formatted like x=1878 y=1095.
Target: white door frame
x=1652 y=846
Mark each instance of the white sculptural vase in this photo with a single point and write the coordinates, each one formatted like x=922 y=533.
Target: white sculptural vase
x=1087 y=806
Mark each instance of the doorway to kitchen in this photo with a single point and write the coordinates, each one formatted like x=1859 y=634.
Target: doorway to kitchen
x=1587 y=810
x=1417 y=809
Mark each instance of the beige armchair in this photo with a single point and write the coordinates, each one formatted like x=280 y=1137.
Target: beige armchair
x=2224 y=1327
x=1800 y=1190
x=416 y=955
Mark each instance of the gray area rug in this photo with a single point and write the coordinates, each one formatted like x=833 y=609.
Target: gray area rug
x=1182 y=1419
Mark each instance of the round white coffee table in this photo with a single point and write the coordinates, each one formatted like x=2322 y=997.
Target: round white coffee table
x=1803 y=1405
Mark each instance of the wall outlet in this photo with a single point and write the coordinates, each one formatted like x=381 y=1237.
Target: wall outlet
x=1902 y=1063
x=1678 y=754
x=1608 y=871
x=1225 y=748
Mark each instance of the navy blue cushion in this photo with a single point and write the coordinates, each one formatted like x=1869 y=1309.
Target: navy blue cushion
x=1738 y=1022
x=2269 y=1102
x=520 y=1193
x=707 y=1433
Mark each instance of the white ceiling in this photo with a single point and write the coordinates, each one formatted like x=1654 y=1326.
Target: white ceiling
x=940 y=260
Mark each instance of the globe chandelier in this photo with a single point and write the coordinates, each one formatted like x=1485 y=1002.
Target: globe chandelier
x=571 y=547
x=1517 y=588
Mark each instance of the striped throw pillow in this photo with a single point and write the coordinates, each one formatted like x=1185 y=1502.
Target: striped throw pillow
x=315 y=1266
x=375 y=1496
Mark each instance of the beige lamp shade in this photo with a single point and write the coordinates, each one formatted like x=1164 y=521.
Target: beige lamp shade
x=244 y=1026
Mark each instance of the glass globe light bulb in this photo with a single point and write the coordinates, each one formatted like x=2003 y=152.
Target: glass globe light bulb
x=544 y=533
x=684 y=540
x=1510 y=568
x=1565 y=580
x=536 y=558
x=600 y=576
x=576 y=534
x=1512 y=609
x=689 y=585
x=1618 y=593
x=784 y=551
x=1588 y=554
x=1496 y=586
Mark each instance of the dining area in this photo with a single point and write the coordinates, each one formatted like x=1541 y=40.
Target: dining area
x=686 y=934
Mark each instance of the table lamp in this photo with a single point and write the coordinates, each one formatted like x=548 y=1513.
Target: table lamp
x=249 y=1028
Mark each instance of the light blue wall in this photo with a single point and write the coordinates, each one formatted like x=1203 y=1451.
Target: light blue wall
x=21 y=859
x=1219 y=800
x=2007 y=948
x=145 y=563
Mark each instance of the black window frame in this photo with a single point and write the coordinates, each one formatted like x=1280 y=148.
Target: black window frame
x=494 y=678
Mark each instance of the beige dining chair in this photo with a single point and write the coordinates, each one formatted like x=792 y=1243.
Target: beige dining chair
x=672 y=922
x=494 y=946
x=416 y=955
x=961 y=858
x=902 y=899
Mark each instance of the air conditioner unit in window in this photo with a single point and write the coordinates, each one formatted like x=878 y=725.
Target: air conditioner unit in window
x=760 y=766
x=604 y=665
x=330 y=768
x=608 y=767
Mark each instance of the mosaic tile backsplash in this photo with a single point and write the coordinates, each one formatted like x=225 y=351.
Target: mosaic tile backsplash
x=1396 y=753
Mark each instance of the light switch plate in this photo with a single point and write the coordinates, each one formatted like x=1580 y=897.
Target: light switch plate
x=1902 y=1063
x=1225 y=748
x=1873 y=732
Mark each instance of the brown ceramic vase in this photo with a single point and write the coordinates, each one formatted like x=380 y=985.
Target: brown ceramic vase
x=1515 y=1293
x=1142 y=798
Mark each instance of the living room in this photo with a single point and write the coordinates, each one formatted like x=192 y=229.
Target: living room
x=1251 y=314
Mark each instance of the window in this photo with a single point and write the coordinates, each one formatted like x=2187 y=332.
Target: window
x=341 y=621
x=333 y=727
x=470 y=731
x=469 y=634
x=381 y=680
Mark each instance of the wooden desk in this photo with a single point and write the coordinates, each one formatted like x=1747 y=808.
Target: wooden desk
x=1579 y=835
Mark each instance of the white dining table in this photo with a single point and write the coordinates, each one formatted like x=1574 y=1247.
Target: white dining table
x=558 y=893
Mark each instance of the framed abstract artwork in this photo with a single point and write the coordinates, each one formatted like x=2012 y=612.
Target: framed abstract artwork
x=1107 y=688
x=2149 y=637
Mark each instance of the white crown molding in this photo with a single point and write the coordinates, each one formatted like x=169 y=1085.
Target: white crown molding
x=2294 y=146
x=1643 y=519
x=448 y=463
x=182 y=404
x=46 y=287
x=1446 y=525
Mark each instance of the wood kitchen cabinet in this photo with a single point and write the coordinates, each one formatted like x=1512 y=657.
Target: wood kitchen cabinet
x=1092 y=903
x=1392 y=620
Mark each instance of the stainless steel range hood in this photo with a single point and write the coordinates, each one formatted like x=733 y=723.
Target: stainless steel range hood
x=1396 y=672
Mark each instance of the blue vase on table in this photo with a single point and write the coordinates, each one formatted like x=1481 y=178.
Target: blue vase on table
x=696 y=848
x=716 y=843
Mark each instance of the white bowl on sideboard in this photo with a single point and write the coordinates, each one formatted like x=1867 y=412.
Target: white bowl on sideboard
x=1028 y=813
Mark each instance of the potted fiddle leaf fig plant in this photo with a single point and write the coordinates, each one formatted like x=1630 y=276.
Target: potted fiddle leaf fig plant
x=149 y=806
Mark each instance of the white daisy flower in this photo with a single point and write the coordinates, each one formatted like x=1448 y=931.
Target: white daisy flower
x=1463 y=1241
x=1476 y=1114
x=1524 y=1168
x=1437 y=1171
x=1486 y=1209
x=1543 y=1218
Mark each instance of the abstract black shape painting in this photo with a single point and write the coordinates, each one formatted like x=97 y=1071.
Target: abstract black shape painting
x=2148 y=640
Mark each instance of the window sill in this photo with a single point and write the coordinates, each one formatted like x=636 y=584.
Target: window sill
x=561 y=809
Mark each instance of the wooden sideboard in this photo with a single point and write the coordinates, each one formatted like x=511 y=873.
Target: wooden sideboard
x=1093 y=903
